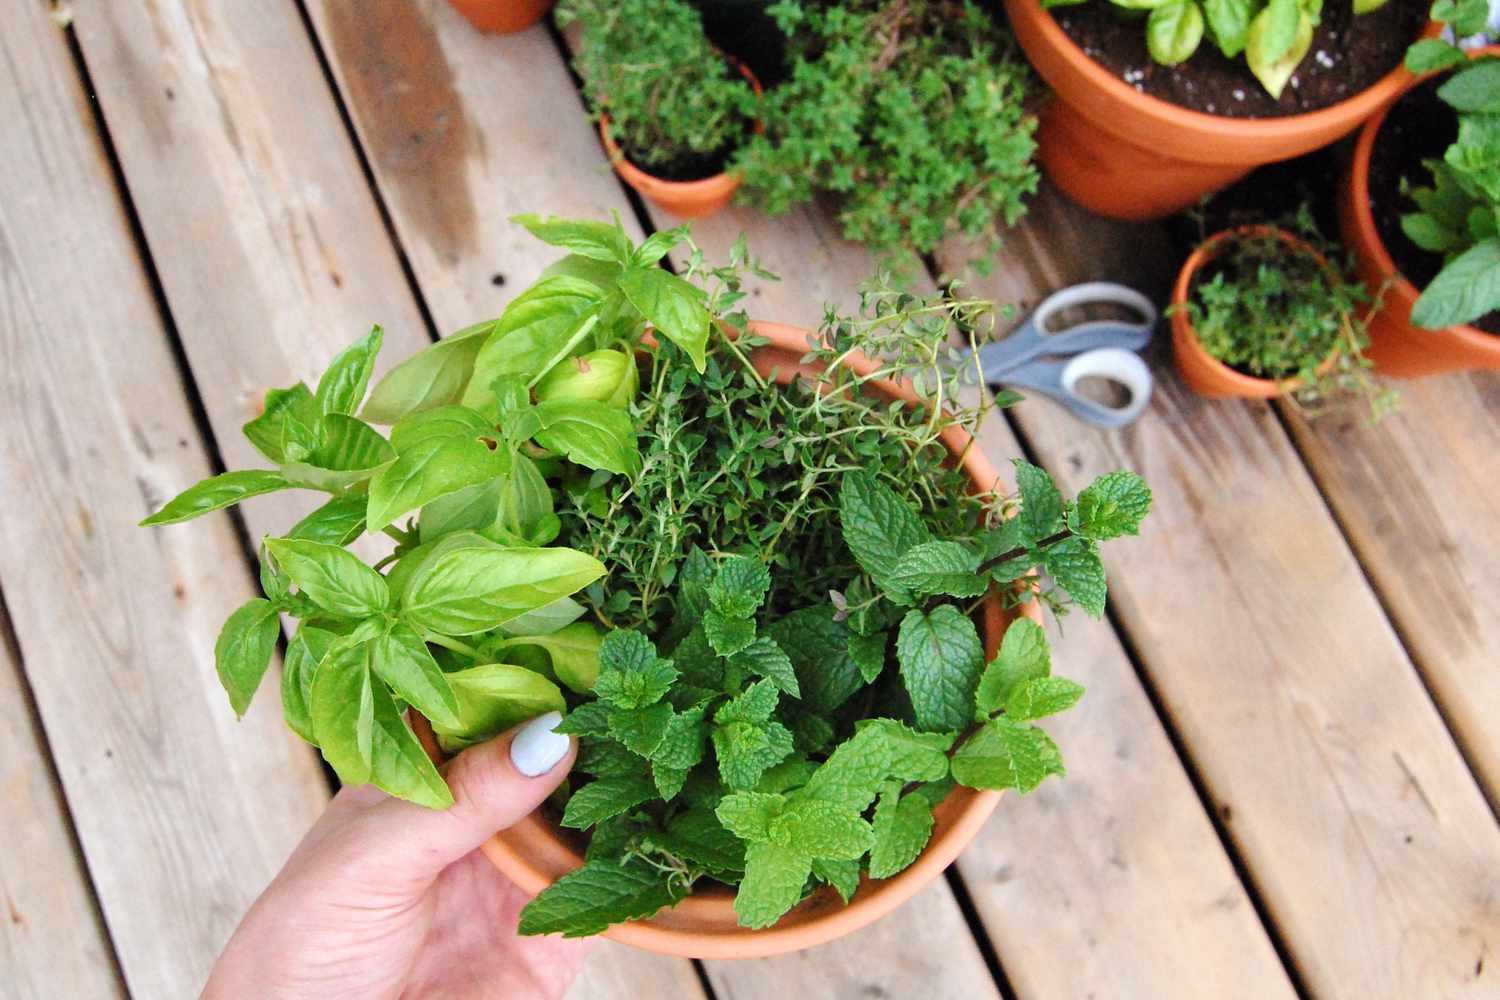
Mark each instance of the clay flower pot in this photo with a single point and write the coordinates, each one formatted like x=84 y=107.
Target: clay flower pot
x=684 y=199
x=1396 y=346
x=502 y=17
x=537 y=852
x=1205 y=374
x=1127 y=155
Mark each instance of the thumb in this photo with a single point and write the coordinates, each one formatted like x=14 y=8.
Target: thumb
x=495 y=784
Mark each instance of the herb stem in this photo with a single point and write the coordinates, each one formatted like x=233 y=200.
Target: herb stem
x=458 y=646
x=1021 y=550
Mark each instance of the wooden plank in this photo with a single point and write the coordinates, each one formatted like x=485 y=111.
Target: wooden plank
x=1362 y=828
x=182 y=813
x=1416 y=495
x=618 y=972
x=260 y=222
x=52 y=939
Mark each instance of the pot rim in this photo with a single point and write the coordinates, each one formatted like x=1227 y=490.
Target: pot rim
x=1185 y=336
x=1402 y=291
x=1165 y=114
x=696 y=927
x=715 y=185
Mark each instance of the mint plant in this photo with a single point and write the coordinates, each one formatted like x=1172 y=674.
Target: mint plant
x=674 y=101
x=1458 y=214
x=754 y=602
x=912 y=112
x=1274 y=36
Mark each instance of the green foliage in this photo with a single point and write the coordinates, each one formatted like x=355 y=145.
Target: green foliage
x=671 y=97
x=1274 y=36
x=912 y=111
x=755 y=603
x=1271 y=309
x=1458 y=214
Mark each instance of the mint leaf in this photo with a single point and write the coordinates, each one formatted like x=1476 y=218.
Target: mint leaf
x=682 y=745
x=589 y=719
x=693 y=578
x=599 y=800
x=1006 y=754
x=669 y=780
x=1111 y=506
x=1041 y=504
x=631 y=675
x=1430 y=55
x=938 y=568
x=1024 y=654
x=698 y=837
x=748 y=815
x=754 y=704
x=1040 y=697
x=243 y=651
x=941 y=659
x=879 y=528
x=739 y=587
x=1075 y=566
x=1465 y=289
x=604 y=758
x=641 y=729
x=868 y=654
x=881 y=749
x=773 y=882
x=818 y=647
x=589 y=899
x=764 y=658
x=727 y=635
x=822 y=829
x=842 y=875
x=746 y=750
x=902 y=827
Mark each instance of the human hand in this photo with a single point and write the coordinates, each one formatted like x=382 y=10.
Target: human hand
x=384 y=898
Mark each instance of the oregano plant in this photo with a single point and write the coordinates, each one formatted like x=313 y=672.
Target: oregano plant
x=756 y=603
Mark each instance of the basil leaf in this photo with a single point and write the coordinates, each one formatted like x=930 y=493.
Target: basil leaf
x=1174 y=31
x=343 y=384
x=243 y=651
x=1228 y=24
x=433 y=377
x=431 y=468
x=492 y=698
x=439 y=422
x=473 y=590
x=350 y=452
x=343 y=711
x=545 y=620
x=673 y=306
x=217 y=492
x=398 y=764
x=590 y=434
x=338 y=522
x=400 y=658
x=332 y=577
x=525 y=504
x=529 y=333
x=303 y=654
x=472 y=508
x=1266 y=36
x=267 y=431
x=585 y=237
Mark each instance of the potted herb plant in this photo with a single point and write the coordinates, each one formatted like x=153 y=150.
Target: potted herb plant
x=502 y=17
x=1149 y=117
x=672 y=109
x=1264 y=311
x=912 y=113
x=746 y=560
x=1419 y=208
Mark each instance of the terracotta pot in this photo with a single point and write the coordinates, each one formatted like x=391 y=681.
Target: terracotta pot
x=1396 y=346
x=536 y=852
x=684 y=199
x=1205 y=374
x=502 y=17
x=1127 y=155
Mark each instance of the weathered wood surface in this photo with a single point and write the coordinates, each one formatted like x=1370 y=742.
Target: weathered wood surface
x=52 y=940
x=1417 y=497
x=1367 y=836
x=182 y=814
x=617 y=970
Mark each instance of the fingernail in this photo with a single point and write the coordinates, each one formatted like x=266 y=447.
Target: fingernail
x=536 y=748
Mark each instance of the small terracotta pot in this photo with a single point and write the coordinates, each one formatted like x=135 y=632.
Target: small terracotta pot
x=502 y=17
x=1124 y=154
x=537 y=852
x=1396 y=346
x=1205 y=374
x=684 y=199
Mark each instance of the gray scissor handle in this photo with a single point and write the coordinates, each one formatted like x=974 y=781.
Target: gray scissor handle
x=1033 y=339
x=1059 y=380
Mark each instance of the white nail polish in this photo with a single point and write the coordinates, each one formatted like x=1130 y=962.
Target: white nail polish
x=536 y=748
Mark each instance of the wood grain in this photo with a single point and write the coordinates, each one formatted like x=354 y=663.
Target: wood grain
x=1362 y=828
x=618 y=972
x=1417 y=497
x=182 y=813
x=52 y=939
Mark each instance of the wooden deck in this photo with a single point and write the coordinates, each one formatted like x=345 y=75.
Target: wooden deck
x=1285 y=774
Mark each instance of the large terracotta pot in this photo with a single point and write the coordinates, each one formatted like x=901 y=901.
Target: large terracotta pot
x=502 y=17
x=684 y=199
x=1127 y=155
x=537 y=852
x=1396 y=346
x=1205 y=374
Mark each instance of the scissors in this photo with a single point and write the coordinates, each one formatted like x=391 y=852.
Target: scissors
x=1094 y=348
